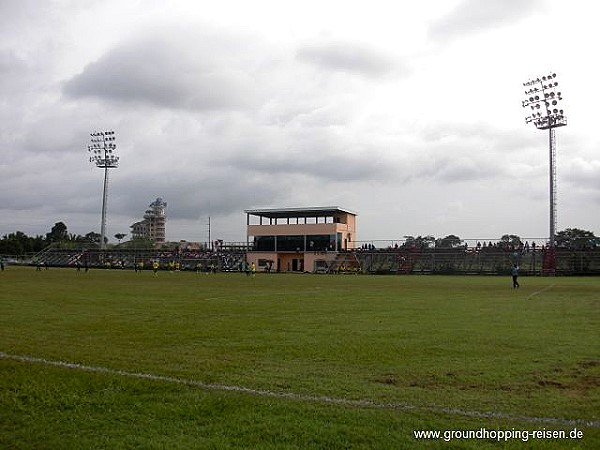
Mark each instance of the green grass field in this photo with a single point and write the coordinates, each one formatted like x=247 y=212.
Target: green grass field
x=293 y=361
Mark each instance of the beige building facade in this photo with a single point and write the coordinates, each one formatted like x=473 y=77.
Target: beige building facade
x=153 y=225
x=299 y=239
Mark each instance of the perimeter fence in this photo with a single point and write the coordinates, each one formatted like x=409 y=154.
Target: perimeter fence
x=539 y=262
x=487 y=259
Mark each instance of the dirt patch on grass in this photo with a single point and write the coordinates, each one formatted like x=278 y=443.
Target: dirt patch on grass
x=426 y=382
x=550 y=383
x=589 y=363
x=390 y=380
x=577 y=380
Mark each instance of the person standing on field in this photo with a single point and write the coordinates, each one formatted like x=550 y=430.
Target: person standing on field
x=515 y=276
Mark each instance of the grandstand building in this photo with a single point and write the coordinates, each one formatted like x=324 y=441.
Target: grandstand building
x=153 y=225
x=299 y=239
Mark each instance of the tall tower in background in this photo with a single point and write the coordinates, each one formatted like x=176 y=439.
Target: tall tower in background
x=543 y=99
x=103 y=153
x=153 y=225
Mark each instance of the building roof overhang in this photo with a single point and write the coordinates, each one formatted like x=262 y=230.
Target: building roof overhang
x=282 y=213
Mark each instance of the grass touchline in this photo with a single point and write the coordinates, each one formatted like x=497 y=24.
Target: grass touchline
x=299 y=397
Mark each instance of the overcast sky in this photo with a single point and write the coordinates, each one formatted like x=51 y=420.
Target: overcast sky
x=408 y=113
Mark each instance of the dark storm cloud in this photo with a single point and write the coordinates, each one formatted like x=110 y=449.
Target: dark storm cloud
x=189 y=195
x=353 y=57
x=20 y=77
x=47 y=135
x=463 y=169
x=40 y=182
x=323 y=153
x=583 y=175
x=472 y=16
x=182 y=70
x=445 y=166
x=448 y=153
x=324 y=166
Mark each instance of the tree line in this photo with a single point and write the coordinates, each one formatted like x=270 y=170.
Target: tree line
x=19 y=243
x=571 y=238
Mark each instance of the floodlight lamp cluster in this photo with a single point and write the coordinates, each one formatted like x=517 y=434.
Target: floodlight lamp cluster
x=102 y=133
x=103 y=150
x=543 y=100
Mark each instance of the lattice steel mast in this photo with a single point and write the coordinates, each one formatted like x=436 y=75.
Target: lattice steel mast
x=543 y=100
x=103 y=153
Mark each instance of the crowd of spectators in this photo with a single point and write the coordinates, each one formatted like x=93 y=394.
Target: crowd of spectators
x=480 y=246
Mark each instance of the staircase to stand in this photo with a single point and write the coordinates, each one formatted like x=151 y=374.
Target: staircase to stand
x=549 y=261
x=346 y=263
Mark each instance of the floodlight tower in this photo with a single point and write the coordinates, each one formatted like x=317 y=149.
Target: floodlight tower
x=103 y=153
x=543 y=100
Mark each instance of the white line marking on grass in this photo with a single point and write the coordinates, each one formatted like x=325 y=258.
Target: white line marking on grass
x=301 y=397
x=540 y=291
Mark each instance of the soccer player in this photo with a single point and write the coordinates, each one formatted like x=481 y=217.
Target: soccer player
x=155 y=267
x=515 y=275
